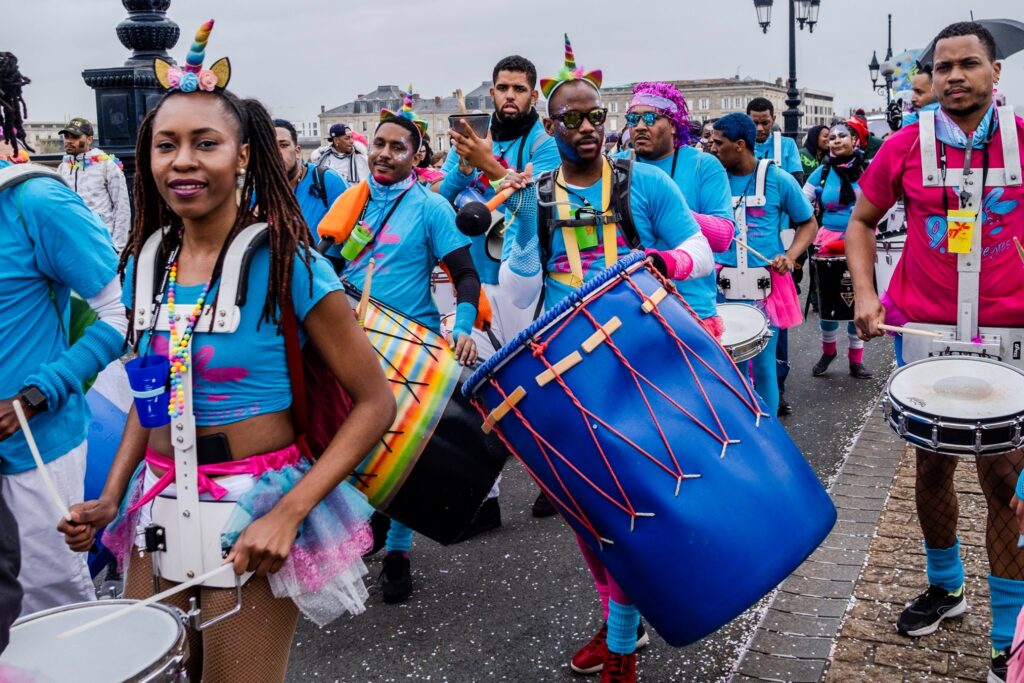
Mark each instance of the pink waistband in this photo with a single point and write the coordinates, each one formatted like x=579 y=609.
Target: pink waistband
x=254 y=466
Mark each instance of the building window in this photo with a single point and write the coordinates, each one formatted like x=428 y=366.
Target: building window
x=364 y=126
x=704 y=104
x=613 y=107
x=614 y=121
x=725 y=103
x=737 y=102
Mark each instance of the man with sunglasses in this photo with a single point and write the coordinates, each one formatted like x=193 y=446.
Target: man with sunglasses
x=537 y=259
x=659 y=121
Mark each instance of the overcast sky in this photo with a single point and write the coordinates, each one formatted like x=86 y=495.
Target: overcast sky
x=296 y=55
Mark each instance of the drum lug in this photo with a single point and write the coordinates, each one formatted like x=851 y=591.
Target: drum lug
x=195 y=614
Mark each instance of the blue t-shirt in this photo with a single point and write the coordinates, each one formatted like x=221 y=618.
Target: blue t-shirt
x=419 y=233
x=660 y=214
x=784 y=200
x=544 y=157
x=790 y=153
x=835 y=215
x=244 y=373
x=705 y=186
x=313 y=207
x=50 y=244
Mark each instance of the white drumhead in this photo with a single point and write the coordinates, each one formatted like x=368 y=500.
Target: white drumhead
x=742 y=323
x=115 y=651
x=959 y=388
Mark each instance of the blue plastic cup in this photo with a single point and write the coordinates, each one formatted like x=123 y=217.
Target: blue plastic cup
x=148 y=376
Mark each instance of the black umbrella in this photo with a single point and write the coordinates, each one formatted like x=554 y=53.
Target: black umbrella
x=1009 y=35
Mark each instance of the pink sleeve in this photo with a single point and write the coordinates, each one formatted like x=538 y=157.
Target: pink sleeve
x=718 y=231
x=881 y=181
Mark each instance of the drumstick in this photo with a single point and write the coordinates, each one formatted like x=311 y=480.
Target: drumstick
x=1020 y=249
x=40 y=465
x=758 y=254
x=910 y=330
x=364 y=299
x=145 y=603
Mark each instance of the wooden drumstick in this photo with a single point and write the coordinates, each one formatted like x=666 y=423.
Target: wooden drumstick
x=1020 y=249
x=40 y=465
x=758 y=254
x=911 y=331
x=364 y=299
x=106 y=619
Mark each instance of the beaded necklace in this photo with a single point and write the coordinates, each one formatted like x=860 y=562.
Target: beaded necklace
x=177 y=351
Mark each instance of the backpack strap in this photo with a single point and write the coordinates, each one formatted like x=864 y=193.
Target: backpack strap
x=317 y=188
x=545 y=214
x=622 y=182
x=19 y=173
x=537 y=142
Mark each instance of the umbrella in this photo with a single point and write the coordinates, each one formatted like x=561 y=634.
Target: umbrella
x=1009 y=35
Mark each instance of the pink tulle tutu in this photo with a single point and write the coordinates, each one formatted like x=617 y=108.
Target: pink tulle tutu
x=783 y=305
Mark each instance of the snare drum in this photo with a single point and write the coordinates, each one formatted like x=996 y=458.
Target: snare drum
x=746 y=330
x=148 y=644
x=835 y=287
x=957 y=405
x=649 y=441
x=888 y=251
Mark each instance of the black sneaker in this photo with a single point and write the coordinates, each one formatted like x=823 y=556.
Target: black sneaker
x=784 y=407
x=858 y=371
x=396 y=578
x=379 y=525
x=927 y=611
x=821 y=367
x=488 y=517
x=542 y=507
x=997 y=668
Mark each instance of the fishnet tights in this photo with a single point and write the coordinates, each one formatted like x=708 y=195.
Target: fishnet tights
x=938 y=508
x=250 y=647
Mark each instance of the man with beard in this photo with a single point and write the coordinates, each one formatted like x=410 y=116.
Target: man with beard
x=934 y=285
x=517 y=138
x=661 y=222
x=315 y=188
x=659 y=121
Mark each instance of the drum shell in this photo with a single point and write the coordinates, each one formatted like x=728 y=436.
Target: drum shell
x=744 y=349
x=453 y=475
x=835 y=287
x=887 y=255
x=729 y=537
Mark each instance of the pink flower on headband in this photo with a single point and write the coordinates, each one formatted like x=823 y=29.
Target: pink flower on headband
x=174 y=77
x=207 y=80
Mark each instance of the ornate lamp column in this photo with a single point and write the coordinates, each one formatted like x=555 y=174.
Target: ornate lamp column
x=125 y=93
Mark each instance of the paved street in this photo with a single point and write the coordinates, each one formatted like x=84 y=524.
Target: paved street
x=513 y=605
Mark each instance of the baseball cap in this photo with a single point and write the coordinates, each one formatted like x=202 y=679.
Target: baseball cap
x=77 y=126
x=339 y=129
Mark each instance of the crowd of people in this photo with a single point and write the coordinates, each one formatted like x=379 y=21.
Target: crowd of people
x=729 y=210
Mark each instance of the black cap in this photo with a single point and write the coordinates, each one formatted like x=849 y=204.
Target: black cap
x=77 y=126
x=339 y=129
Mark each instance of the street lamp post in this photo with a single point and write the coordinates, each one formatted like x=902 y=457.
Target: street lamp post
x=885 y=69
x=804 y=13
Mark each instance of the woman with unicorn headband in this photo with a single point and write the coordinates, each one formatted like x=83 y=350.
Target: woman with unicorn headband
x=295 y=527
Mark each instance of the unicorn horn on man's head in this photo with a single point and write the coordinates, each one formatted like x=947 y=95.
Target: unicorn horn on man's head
x=570 y=58
x=197 y=53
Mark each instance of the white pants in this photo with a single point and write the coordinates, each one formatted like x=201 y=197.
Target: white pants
x=51 y=574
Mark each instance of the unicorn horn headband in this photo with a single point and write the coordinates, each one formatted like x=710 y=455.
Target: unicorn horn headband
x=570 y=72
x=193 y=76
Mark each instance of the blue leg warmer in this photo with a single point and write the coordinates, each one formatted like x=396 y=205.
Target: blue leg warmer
x=945 y=569
x=623 y=621
x=399 y=538
x=1007 y=598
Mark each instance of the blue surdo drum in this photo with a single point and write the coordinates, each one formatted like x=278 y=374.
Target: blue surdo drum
x=655 y=449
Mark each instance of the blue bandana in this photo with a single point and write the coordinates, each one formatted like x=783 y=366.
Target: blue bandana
x=949 y=133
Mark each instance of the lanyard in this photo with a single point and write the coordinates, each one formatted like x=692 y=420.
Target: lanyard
x=964 y=197
x=675 y=158
x=387 y=212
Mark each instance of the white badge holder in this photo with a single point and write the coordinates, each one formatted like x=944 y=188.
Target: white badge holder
x=744 y=282
x=1004 y=344
x=191 y=528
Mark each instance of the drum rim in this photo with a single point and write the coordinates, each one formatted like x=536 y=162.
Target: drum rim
x=627 y=263
x=177 y=650
x=765 y=323
x=953 y=420
x=890 y=410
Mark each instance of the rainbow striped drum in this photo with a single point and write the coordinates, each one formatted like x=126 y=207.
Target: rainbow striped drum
x=657 y=452
x=433 y=469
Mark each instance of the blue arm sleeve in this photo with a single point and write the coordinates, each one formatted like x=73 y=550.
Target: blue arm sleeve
x=522 y=245
x=465 y=316
x=454 y=180
x=100 y=345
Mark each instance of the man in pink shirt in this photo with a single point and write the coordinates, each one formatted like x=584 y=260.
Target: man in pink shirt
x=925 y=289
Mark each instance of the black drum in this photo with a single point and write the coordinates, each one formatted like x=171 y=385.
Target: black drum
x=835 y=287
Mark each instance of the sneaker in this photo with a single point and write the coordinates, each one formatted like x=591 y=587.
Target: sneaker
x=396 y=578
x=784 y=407
x=619 y=668
x=488 y=517
x=590 y=658
x=542 y=507
x=997 y=668
x=821 y=367
x=858 y=371
x=379 y=525
x=927 y=611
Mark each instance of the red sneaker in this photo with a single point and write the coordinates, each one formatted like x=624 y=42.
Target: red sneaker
x=590 y=658
x=619 y=669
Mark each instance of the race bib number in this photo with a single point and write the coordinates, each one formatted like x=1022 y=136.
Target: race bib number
x=961 y=224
